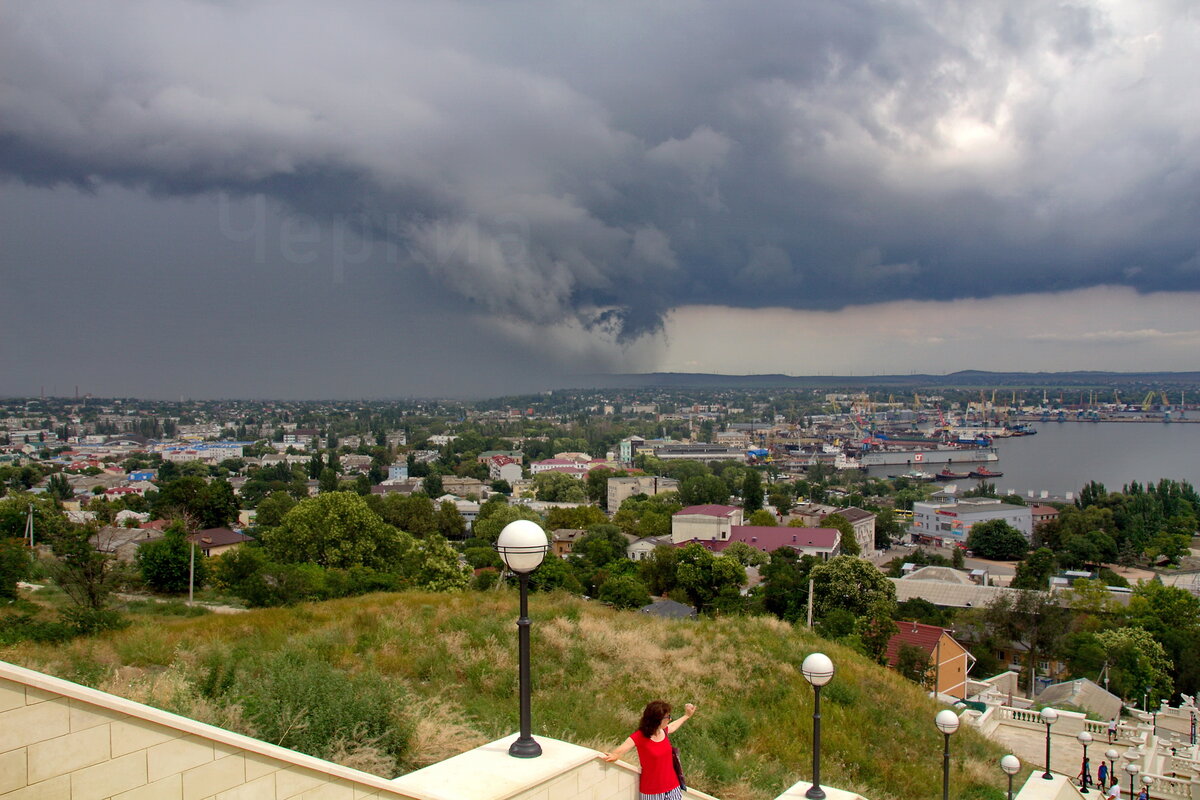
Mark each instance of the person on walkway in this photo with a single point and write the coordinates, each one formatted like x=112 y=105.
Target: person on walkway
x=1102 y=775
x=1114 y=791
x=659 y=780
x=1112 y=730
x=1085 y=774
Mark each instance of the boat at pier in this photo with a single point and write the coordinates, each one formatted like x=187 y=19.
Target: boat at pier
x=984 y=472
x=917 y=459
x=948 y=474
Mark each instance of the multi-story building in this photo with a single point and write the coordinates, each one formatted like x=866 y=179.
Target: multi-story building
x=951 y=523
x=621 y=489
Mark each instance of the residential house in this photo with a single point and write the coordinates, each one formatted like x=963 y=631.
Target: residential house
x=503 y=467
x=464 y=486
x=824 y=543
x=706 y=522
x=562 y=540
x=640 y=549
x=214 y=541
x=1041 y=513
x=949 y=661
x=122 y=542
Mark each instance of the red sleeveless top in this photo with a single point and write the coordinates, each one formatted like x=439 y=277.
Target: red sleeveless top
x=658 y=774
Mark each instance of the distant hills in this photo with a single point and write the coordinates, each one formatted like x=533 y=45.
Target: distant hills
x=964 y=378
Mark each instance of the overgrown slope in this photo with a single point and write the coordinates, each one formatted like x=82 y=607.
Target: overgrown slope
x=394 y=681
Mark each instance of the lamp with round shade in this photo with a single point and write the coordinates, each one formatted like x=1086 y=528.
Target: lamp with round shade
x=1049 y=717
x=1011 y=766
x=522 y=546
x=817 y=669
x=946 y=722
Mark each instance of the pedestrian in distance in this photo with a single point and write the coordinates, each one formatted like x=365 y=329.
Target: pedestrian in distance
x=1085 y=774
x=1112 y=730
x=662 y=777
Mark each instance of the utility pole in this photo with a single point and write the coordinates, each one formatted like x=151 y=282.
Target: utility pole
x=810 y=601
x=29 y=526
x=191 y=572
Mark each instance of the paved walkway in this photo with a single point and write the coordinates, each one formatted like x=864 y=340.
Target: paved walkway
x=1066 y=754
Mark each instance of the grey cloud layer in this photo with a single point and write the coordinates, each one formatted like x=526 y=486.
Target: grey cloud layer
x=608 y=161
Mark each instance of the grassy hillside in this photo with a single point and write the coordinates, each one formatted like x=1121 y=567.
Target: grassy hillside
x=391 y=682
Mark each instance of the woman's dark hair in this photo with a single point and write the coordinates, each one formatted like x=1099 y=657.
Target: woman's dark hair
x=652 y=717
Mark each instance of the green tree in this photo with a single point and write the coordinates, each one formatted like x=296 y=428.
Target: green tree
x=752 y=491
x=624 y=592
x=558 y=487
x=414 y=514
x=764 y=518
x=165 y=563
x=1033 y=620
x=59 y=487
x=701 y=490
x=328 y=481
x=575 y=518
x=996 y=539
x=1137 y=664
x=488 y=528
x=14 y=567
x=432 y=564
x=337 y=529
x=431 y=485
x=850 y=583
x=272 y=508
x=450 y=522
x=86 y=575
x=1036 y=570
x=708 y=580
x=216 y=505
x=601 y=546
x=913 y=663
x=849 y=543
x=746 y=555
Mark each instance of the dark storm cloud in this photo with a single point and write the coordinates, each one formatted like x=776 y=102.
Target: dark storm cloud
x=607 y=162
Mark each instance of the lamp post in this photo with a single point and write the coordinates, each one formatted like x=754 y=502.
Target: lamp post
x=1049 y=717
x=522 y=545
x=1132 y=769
x=1111 y=754
x=1085 y=777
x=1147 y=781
x=947 y=722
x=818 y=671
x=1011 y=766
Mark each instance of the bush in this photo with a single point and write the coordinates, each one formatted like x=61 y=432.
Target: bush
x=307 y=705
x=167 y=564
x=14 y=566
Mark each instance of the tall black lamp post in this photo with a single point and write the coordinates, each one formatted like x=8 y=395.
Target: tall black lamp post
x=1011 y=766
x=1147 y=781
x=817 y=670
x=1085 y=771
x=947 y=722
x=1132 y=769
x=1049 y=717
x=1111 y=754
x=522 y=545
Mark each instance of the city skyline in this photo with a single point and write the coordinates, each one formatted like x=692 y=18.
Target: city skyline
x=258 y=199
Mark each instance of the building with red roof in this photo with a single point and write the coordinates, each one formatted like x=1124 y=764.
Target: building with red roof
x=824 y=543
x=949 y=661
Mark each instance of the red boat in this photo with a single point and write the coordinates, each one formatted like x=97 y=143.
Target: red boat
x=949 y=475
x=984 y=472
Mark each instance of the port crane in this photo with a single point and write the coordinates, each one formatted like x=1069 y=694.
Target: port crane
x=1148 y=401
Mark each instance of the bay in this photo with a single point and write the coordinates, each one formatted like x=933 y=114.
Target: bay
x=1063 y=456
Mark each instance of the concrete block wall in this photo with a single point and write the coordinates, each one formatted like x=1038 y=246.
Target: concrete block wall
x=63 y=741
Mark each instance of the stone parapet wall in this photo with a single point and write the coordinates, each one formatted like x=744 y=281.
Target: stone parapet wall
x=63 y=741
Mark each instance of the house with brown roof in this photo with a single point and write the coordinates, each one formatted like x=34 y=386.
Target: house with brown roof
x=949 y=661
x=214 y=541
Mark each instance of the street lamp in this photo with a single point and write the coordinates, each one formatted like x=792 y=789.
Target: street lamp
x=947 y=722
x=1085 y=776
x=817 y=670
x=1111 y=754
x=1011 y=766
x=1132 y=769
x=1049 y=717
x=522 y=545
x=1147 y=781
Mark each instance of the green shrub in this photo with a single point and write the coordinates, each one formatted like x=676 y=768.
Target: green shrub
x=304 y=704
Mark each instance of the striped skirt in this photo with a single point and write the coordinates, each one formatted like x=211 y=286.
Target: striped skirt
x=673 y=794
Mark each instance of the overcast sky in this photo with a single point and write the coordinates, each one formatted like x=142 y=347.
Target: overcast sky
x=308 y=199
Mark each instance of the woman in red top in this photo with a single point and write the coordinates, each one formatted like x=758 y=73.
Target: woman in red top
x=653 y=743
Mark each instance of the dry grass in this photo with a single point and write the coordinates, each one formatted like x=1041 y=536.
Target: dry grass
x=454 y=658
